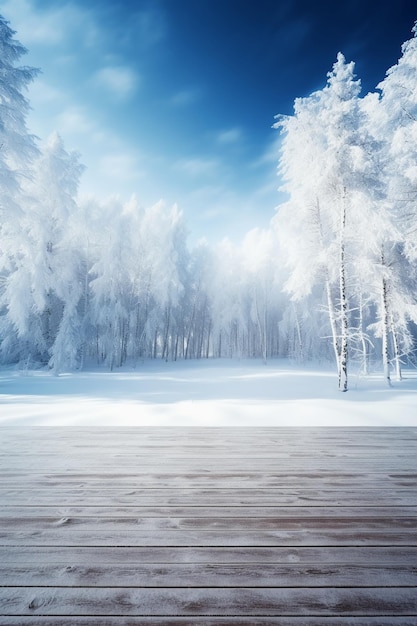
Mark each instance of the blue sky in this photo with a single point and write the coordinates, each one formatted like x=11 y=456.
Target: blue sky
x=175 y=99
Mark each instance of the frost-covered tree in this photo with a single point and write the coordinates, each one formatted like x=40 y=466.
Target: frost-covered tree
x=17 y=145
x=57 y=175
x=164 y=235
x=196 y=318
x=259 y=267
x=45 y=274
x=331 y=179
x=394 y=122
x=17 y=151
x=225 y=295
x=111 y=282
x=136 y=281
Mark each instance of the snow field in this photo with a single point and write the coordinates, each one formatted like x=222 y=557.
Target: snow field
x=205 y=393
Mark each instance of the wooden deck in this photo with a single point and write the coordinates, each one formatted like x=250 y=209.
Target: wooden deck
x=291 y=527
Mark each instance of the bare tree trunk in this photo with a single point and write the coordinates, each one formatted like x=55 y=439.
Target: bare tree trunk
x=155 y=344
x=397 y=360
x=299 y=335
x=208 y=340
x=330 y=305
x=190 y=330
x=166 y=332
x=343 y=363
x=332 y=320
x=261 y=327
x=362 y=336
x=385 y=330
x=201 y=335
x=177 y=338
x=84 y=317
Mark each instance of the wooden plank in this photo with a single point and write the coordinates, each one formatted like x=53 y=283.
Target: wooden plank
x=297 y=443
x=212 y=480
x=353 y=601
x=114 y=511
x=360 y=435
x=320 y=555
x=405 y=525
x=276 y=452
x=152 y=490
x=207 y=538
x=140 y=462
x=223 y=575
x=210 y=464
x=203 y=463
x=172 y=498
x=34 y=620
x=299 y=492
x=379 y=482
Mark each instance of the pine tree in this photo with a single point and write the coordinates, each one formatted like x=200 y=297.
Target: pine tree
x=17 y=151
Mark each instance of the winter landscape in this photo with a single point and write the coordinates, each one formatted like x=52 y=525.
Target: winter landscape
x=208 y=315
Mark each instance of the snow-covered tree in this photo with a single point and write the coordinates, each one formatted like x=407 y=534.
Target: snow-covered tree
x=260 y=266
x=394 y=122
x=58 y=175
x=45 y=273
x=330 y=176
x=225 y=295
x=196 y=321
x=17 y=151
x=17 y=145
x=111 y=283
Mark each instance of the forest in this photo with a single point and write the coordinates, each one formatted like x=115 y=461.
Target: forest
x=92 y=282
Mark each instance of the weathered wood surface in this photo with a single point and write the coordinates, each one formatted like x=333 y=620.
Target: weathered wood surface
x=181 y=527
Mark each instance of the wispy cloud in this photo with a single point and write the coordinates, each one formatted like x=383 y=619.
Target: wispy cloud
x=149 y=25
x=42 y=93
x=74 y=121
x=186 y=97
x=123 y=166
x=120 y=81
x=230 y=136
x=271 y=154
x=49 y=25
x=197 y=166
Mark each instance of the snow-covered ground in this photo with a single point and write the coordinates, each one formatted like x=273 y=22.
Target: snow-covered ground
x=205 y=393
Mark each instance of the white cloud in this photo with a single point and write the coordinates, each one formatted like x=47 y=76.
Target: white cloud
x=186 y=97
x=271 y=152
x=41 y=93
x=148 y=25
x=121 y=81
x=230 y=136
x=122 y=166
x=49 y=26
x=197 y=166
x=74 y=120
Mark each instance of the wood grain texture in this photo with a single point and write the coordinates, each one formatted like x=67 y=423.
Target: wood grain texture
x=181 y=527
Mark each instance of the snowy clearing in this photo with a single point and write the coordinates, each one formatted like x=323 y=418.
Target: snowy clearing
x=209 y=393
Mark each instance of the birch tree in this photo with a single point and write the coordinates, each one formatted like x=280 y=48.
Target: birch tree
x=323 y=163
x=393 y=121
